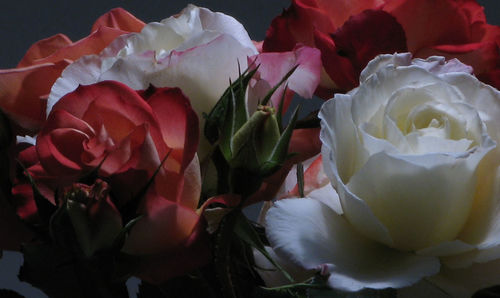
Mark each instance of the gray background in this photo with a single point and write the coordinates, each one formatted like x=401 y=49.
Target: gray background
x=22 y=22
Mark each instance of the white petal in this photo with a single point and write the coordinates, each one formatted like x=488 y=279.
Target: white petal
x=466 y=281
x=484 y=98
x=420 y=204
x=272 y=276
x=84 y=71
x=339 y=134
x=382 y=61
x=314 y=236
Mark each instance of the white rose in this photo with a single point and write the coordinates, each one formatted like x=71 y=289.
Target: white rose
x=412 y=155
x=197 y=51
x=200 y=52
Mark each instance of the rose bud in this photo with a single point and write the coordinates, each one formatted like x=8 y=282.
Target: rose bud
x=95 y=218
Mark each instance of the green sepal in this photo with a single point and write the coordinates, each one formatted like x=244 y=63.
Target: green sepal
x=244 y=230
x=300 y=179
x=119 y=241
x=269 y=94
x=280 y=151
x=217 y=117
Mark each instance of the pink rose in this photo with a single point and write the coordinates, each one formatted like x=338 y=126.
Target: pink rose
x=127 y=134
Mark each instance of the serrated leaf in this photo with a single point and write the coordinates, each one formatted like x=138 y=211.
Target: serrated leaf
x=244 y=230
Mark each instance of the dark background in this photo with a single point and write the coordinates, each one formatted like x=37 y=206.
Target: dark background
x=23 y=22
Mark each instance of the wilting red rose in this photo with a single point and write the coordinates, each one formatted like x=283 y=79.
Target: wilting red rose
x=126 y=135
x=24 y=89
x=351 y=33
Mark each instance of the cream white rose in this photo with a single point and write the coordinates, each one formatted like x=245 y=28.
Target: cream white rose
x=412 y=153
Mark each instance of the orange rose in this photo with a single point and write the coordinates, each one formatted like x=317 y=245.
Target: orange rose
x=24 y=89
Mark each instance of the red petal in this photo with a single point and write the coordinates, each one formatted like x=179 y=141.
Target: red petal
x=338 y=68
x=434 y=22
x=24 y=90
x=297 y=23
x=339 y=11
x=166 y=225
x=178 y=123
x=119 y=18
x=193 y=253
x=60 y=143
x=43 y=49
x=367 y=35
x=92 y=44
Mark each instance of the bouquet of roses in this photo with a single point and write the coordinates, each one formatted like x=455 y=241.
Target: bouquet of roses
x=135 y=151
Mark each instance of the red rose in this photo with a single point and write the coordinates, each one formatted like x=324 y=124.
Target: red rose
x=26 y=87
x=351 y=33
x=127 y=134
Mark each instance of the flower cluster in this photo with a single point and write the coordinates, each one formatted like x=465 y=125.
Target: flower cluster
x=136 y=150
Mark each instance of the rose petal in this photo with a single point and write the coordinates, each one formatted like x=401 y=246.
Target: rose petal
x=178 y=123
x=44 y=48
x=173 y=222
x=312 y=235
x=272 y=67
x=119 y=18
x=451 y=25
x=23 y=90
x=464 y=282
x=360 y=38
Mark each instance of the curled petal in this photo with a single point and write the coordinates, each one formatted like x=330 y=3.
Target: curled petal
x=119 y=18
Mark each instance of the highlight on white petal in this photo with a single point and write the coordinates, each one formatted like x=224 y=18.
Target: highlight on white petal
x=310 y=234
